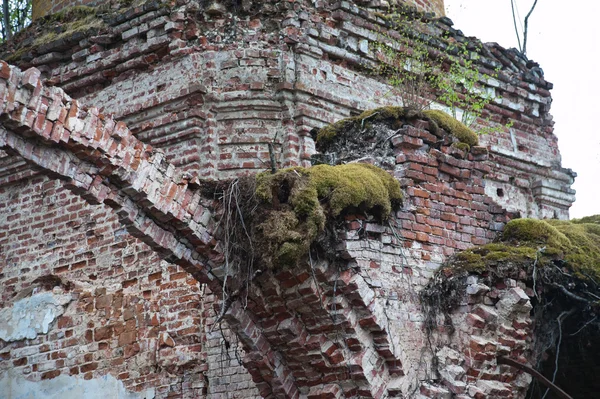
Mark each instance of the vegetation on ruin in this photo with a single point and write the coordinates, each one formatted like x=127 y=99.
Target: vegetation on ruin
x=329 y=132
x=437 y=119
x=54 y=27
x=453 y=126
x=425 y=68
x=297 y=202
x=69 y=24
x=273 y=220
x=574 y=245
x=558 y=260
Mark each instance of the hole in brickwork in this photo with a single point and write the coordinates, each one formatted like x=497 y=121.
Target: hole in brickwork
x=500 y=192
x=371 y=235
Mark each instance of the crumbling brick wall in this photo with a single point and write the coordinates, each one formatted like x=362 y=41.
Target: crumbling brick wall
x=212 y=93
x=230 y=75
x=47 y=7
x=130 y=315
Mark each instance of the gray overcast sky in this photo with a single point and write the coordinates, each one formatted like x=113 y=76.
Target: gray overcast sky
x=564 y=38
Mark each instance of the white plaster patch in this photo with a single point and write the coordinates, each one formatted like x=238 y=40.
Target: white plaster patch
x=31 y=316
x=67 y=387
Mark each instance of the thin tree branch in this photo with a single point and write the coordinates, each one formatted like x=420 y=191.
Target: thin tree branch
x=584 y=326
x=570 y=294
x=512 y=5
x=6 y=19
x=525 y=29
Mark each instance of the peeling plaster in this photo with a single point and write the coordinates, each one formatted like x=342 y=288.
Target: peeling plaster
x=67 y=387
x=31 y=316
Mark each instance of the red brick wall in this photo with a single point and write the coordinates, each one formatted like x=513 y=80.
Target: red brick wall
x=213 y=102
x=233 y=98
x=140 y=319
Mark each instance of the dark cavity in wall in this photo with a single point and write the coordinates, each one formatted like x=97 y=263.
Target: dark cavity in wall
x=578 y=362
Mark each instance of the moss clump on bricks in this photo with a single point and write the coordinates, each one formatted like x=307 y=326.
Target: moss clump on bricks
x=453 y=126
x=466 y=137
x=329 y=132
x=70 y=14
x=70 y=25
x=462 y=146
x=560 y=259
x=61 y=25
x=479 y=259
x=81 y=22
x=523 y=241
x=298 y=202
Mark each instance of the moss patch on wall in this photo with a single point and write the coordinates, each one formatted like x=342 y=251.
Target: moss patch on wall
x=560 y=260
x=62 y=25
x=68 y=22
x=64 y=29
x=297 y=202
x=435 y=117
x=453 y=126
x=574 y=244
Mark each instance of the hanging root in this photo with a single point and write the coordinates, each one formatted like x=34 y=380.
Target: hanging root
x=238 y=204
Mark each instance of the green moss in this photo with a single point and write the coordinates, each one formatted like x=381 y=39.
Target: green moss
x=584 y=254
x=355 y=185
x=329 y=132
x=480 y=258
x=453 y=126
x=70 y=14
x=61 y=25
x=535 y=232
x=465 y=135
x=281 y=237
x=298 y=200
x=462 y=146
x=469 y=261
x=16 y=55
x=87 y=23
x=588 y=219
x=576 y=243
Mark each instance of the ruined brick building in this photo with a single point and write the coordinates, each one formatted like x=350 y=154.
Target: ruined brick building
x=119 y=121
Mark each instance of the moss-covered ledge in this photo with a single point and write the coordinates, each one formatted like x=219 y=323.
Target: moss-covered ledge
x=296 y=204
x=62 y=31
x=555 y=263
x=397 y=116
x=572 y=245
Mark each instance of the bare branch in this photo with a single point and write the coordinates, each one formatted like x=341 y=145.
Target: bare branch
x=6 y=21
x=512 y=5
x=524 y=51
